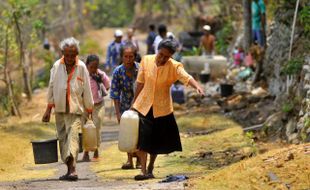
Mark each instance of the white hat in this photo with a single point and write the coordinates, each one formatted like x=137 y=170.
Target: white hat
x=118 y=33
x=170 y=35
x=207 y=27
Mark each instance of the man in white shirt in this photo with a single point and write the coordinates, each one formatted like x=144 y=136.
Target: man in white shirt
x=162 y=31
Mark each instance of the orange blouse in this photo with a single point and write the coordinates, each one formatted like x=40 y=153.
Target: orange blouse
x=157 y=82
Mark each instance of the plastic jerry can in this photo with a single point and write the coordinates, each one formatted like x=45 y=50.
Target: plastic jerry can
x=177 y=92
x=89 y=136
x=128 y=131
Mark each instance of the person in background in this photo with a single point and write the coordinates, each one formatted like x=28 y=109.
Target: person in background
x=150 y=39
x=207 y=41
x=258 y=22
x=162 y=34
x=69 y=93
x=100 y=84
x=177 y=55
x=113 y=58
x=158 y=130
x=131 y=38
x=122 y=89
x=238 y=56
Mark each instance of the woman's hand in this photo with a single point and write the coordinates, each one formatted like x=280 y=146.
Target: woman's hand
x=118 y=117
x=192 y=82
x=200 y=91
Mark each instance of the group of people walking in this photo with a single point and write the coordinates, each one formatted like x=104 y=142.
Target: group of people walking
x=77 y=89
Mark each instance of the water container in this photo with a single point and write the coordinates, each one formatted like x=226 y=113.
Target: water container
x=89 y=136
x=226 y=89
x=128 y=131
x=45 y=151
x=204 y=77
x=177 y=93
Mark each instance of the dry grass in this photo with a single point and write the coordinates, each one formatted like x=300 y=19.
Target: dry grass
x=253 y=173
x=16 y=157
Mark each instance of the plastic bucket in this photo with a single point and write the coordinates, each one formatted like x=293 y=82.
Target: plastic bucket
x=45 y=151
x=204 y=77
x=226 y=89
x=80 y=143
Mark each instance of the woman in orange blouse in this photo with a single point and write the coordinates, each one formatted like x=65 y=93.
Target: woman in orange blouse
x=158 y=130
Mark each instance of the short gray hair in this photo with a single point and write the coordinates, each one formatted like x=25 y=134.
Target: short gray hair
x=69 y=42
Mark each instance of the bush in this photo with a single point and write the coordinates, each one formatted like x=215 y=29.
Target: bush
x=223 y=38
x=90 y=46
x=293 y=66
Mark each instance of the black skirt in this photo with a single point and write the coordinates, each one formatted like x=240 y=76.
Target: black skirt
x=158 y=135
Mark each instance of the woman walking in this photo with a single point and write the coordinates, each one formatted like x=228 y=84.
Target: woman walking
x=158 y=130
x=122 y=89
x=100 y=84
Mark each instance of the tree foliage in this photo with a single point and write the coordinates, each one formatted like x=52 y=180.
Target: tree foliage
x=111 y=13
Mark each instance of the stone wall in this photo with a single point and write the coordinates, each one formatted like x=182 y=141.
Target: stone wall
x=295 y=127
x=302 y=129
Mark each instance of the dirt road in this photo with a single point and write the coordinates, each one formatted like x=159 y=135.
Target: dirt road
x=88 y=179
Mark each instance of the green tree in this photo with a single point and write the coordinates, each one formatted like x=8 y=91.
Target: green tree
x=111 y=13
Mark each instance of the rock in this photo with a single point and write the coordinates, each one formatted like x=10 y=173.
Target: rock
x=275 y=120
x=259 y=92
x=253 y=99
x=306 y=68
x=293 y=138
x=300 y=124
x=290 y=127
x=289 y=156
x=301 y=113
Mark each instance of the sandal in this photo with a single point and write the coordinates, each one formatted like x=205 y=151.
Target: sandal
x=127 y=166
x=142 y=177
x=64 y=177
x=72 y=177
x=95 y=159
x=150 y=175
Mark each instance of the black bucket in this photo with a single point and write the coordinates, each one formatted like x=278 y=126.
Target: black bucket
x=45 y=151
x=204 y=77
x=80 y=143
x=226 y=89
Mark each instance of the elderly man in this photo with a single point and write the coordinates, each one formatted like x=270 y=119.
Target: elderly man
x=69 y=93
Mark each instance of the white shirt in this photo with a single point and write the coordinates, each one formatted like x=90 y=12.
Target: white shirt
x=156 y=42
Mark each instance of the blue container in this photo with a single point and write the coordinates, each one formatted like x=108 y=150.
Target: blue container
x=178 y=95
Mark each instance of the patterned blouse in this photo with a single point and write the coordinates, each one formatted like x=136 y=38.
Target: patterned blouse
x=122 y=87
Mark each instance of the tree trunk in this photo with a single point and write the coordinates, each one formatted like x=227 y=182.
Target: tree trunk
x=8 y=81
x=80 y=5
x=24 y=65
x=247 y=24
x=29 y=60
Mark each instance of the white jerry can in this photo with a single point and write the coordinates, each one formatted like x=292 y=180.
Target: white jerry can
x=89 y=136
x=128 y=131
